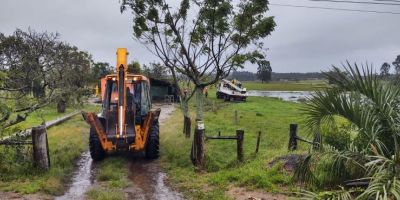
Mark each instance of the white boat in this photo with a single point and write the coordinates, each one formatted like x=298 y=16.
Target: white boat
x=231 y=91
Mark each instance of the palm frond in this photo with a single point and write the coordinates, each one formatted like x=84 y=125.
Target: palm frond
x=383 y=185
x=372 y=105
x=363 y=99
x=329 y=195
x=324 y=106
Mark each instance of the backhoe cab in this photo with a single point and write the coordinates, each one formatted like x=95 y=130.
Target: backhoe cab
x=126 y=122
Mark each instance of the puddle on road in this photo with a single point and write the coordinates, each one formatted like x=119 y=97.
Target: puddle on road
x=82 y=179
x=149 y=182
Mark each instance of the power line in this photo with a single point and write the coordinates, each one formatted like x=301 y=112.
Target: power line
x=387 y=0
x=360 y=2
x=340 y=9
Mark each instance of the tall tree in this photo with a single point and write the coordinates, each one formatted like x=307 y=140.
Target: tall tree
x=385 y=70
x=134 y=67
x=25 y=60
x=264 y=71
x=100 y=69
x=71 y=75
x=217 y=37
x=396 y=64
x=157 y=70
x=37 y=69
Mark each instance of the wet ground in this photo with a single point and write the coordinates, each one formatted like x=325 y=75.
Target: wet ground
x=294 y=96
x=149 y=182
x=82 y=179
x=148 y=179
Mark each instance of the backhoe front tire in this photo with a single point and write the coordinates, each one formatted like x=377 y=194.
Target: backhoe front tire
x=153 y=143
x=96 y=150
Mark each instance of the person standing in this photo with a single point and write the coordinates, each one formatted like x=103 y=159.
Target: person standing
x=206 y=92
x=185 y=91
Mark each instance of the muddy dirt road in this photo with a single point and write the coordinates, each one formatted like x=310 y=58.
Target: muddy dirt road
x=148 y=181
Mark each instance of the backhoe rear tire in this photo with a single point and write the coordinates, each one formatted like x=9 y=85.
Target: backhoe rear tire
x=153 y=143
x=96 y=150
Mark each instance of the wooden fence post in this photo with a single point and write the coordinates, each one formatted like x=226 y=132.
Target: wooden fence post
x=258 y=140
x=240 y=138
x=293 y=137
x=40 y=144
x=198 y=150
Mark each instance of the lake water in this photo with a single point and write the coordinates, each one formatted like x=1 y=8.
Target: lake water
x=295 y=96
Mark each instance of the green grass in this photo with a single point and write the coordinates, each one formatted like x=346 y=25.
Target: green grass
x=66 y=143
x=104 y=194
x=47 y=113
x=112 y=174
x=270 y=116
x=287 y=86
x=113 y=171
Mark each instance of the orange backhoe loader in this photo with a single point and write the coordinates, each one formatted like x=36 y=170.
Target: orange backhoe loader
x=127 y=122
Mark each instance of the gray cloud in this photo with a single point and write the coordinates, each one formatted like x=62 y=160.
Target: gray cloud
x=313 y=40
x=305 y=40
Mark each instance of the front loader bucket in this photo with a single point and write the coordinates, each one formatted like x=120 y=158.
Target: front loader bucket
x=92 y=119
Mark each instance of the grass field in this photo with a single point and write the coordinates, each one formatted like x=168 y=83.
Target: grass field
x=287 y=86
x=270 y=116
x=44 y=114
x=66 y=143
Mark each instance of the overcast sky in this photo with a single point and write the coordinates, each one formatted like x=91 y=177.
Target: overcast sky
x=305 y=40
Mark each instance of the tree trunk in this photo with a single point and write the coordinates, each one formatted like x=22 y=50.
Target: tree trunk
x=199 y=103
x=187 y=122
x=61 y=104
x=37 y=90
x=198 y=150
x=187 y=126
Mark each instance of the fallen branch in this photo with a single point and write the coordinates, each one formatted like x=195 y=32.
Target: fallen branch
x=26 y=133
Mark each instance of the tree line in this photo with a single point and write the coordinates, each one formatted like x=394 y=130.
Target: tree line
x=386 y=68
